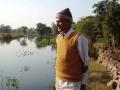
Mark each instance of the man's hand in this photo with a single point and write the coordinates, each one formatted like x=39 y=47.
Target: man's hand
x=85 y=68
x=83 y=86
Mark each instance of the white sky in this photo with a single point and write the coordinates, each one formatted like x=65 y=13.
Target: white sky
x=17 y=13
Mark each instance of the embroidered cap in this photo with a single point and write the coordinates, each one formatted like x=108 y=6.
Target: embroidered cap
x=65 y=14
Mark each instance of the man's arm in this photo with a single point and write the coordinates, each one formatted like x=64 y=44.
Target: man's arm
x=83 y=52
x=83 y=49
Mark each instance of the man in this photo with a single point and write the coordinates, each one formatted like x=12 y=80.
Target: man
x=72 y=55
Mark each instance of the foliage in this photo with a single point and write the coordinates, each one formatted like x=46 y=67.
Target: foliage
x=92 y=52
x=54 y=29
x=42 y=42
x=24 y=29
x=5 y=28
x=42 y=29
x=109 y=12
x=12 y=82
x=87 y=27
x=101 y=8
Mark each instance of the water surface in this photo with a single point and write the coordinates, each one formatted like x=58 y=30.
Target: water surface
x=32 y=67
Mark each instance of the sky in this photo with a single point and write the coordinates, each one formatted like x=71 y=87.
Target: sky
x=28 y=13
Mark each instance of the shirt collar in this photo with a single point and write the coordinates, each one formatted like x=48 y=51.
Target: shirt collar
x=68 y=33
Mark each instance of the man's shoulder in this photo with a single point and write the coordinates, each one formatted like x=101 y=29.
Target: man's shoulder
x=74 y=31
x=77 y=34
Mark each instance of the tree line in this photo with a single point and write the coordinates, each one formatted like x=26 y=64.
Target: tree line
x=41 y=29
x=102 y=27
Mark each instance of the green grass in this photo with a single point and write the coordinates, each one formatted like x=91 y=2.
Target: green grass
x=98 y=77
x=44 y=42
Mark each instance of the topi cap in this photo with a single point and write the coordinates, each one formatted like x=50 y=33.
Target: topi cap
x=65 y=14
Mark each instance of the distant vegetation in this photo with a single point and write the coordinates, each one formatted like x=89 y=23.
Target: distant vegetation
x=41 y=30
x=103 y=27
x=42 y=42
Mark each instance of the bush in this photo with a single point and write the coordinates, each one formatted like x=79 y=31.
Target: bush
x=92 y=52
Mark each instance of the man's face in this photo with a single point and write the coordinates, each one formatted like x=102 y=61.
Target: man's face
x=63 y=24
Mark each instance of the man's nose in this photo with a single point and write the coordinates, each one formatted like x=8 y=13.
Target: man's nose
x=59 y=24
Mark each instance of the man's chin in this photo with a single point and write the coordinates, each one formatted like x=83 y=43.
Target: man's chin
x=59 y=30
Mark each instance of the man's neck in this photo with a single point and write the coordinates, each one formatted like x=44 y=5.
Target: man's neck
x=65 y=31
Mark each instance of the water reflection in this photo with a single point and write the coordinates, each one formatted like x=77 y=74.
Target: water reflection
x=31 y=37
x=39 y=41
x=23 y=53
x=5 y=41
x=23 y=42
x=9 y=82
x=26 y=68
x=12 y=82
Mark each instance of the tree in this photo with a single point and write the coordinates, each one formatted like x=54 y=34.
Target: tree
x=86 y=26
x=24 y=29
x=42 y=29
x=54 y=29
x=6 y=29
x=109 y=12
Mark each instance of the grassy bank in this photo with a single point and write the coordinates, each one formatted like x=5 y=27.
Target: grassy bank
x=10 y=35
x=98 y=77
x=45 y=41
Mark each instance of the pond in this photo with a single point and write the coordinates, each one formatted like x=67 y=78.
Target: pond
x=24 y=66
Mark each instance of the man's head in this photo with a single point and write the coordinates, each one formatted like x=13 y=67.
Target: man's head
x=64 y=20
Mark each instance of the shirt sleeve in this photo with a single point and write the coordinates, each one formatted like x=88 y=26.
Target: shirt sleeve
x=83 y=52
